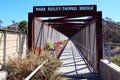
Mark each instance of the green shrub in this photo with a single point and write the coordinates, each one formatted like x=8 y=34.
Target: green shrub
x=19 y=69
x=116 y=60
x=64 y=42
x=49 y=45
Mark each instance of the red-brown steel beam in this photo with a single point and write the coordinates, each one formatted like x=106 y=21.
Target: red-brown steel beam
x=66 y=13
x=72 y=27
x=30 y=24
x=67 y=24
x=70 y=20
x=99 y=38
x=64 y=23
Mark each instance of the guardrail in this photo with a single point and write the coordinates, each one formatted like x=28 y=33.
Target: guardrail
x=107 y=49
x=35 y=71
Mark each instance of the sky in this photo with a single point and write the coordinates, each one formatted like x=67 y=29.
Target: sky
x=17 y=10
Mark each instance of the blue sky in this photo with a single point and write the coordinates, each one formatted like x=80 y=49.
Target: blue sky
x=17 y=10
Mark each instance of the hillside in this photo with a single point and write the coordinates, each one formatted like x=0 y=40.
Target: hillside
x=111 y=31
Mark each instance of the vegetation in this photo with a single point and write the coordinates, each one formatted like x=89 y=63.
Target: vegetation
x=1 y=23
x=19 y=69
x=23 y=26
x=64 y=42
x=111 y=31
x=116 y=60
x=49 y=45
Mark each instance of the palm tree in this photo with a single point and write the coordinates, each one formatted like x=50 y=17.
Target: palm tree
x=1 y=23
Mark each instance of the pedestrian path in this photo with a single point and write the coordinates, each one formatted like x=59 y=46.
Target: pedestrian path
x=74 y=65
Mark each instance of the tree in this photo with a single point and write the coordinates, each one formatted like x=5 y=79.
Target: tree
x=111 y=31
x=13 y=22
x=23 y=26
x=1 y=23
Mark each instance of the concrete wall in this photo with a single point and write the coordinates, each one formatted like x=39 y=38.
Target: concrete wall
x=109 y=71
x=15 y=45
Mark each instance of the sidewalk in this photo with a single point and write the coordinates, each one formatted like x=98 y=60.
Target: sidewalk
x=73 y=63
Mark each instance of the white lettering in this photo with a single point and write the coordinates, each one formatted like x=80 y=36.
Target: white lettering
x=69 y=8
x=40 y=9
x=65 y=8
x=54 y=8
x=86 y=8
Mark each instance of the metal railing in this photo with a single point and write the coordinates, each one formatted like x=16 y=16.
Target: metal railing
x=109 y=50
x=35 y=71
x=92 y=54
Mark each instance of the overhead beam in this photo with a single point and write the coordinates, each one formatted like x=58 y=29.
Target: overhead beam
x=68 y=28
x=62 y=14
x=65 y=24
x=72 y=20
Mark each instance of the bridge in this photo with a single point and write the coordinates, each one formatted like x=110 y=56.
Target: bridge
x=81 y=25
x=74 y=34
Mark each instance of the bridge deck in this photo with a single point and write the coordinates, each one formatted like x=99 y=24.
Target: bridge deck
x=74 y=66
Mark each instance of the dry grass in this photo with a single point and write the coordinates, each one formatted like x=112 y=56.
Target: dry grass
x=19 y=68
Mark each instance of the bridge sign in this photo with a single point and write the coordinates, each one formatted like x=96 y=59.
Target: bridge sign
x=64 y=8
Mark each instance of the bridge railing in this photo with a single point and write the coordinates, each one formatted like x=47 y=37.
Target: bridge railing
x=86 y=42
x=90 y=54
x=110 y=50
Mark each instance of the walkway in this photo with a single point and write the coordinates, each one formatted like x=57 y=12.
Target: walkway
x=74 y=66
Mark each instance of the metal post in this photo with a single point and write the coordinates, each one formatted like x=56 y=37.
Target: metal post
x=20 y=52
x=4 y=51
x=119 y=49
x=109 y=53
x=26 y=45
x=94 y=61
x=103 y=46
